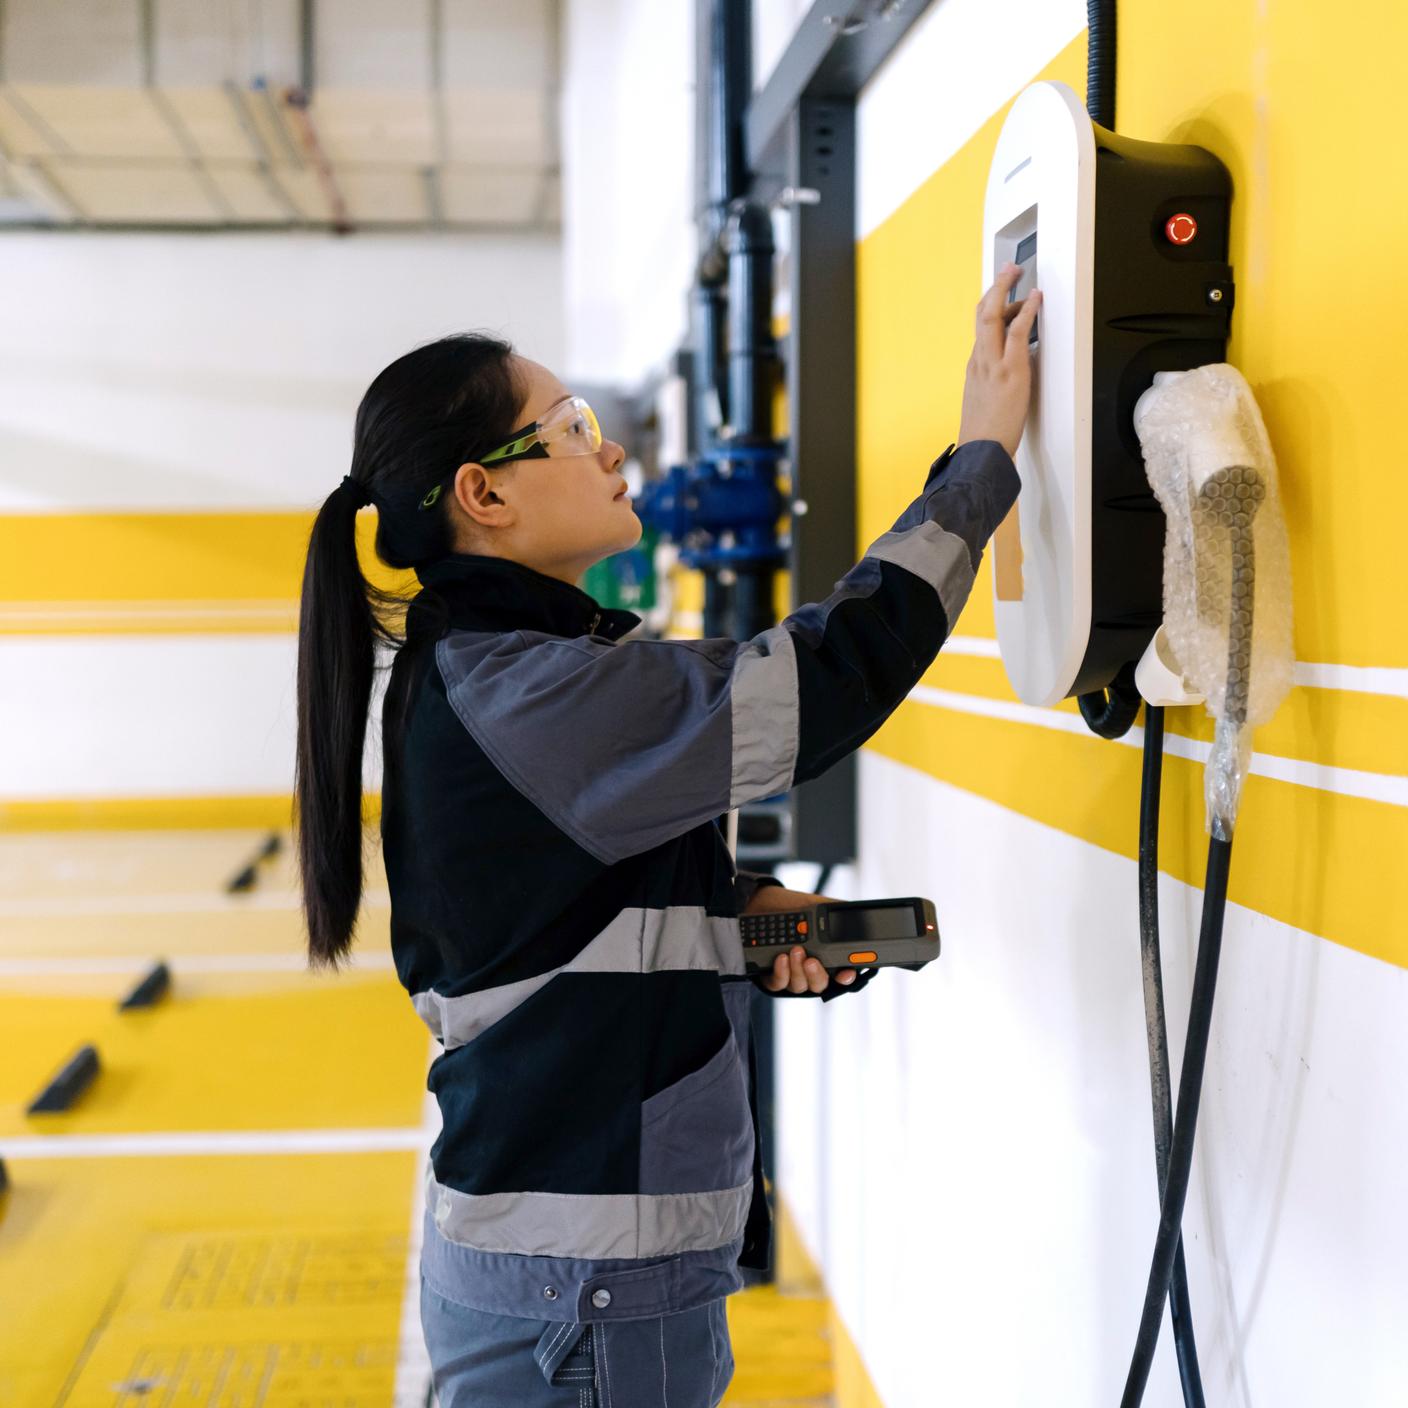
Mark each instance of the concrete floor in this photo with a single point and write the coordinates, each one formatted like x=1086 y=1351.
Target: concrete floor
x=226 y=1216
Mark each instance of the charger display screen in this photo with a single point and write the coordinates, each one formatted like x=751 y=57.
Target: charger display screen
x=865 y=924
x=1025 y=255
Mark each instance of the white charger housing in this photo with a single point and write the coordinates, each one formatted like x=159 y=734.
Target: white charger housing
x=1127 y=241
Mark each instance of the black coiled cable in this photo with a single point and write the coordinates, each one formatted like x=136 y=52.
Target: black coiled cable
x=1111 y=712
x=1100 y=62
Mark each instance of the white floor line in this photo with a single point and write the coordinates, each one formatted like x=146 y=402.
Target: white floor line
x=1353 y=679
x=1348 y=782
x=105 y=964
x=195 y=902
x=413 y=1359
x=215 y=1142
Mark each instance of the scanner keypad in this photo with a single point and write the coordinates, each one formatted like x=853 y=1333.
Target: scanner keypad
x=774 y=930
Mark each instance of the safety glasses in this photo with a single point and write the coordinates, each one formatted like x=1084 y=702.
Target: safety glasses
x=568 y=428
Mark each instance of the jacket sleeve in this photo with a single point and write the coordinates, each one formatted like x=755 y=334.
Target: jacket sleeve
x=746 y=883
x=625 y=745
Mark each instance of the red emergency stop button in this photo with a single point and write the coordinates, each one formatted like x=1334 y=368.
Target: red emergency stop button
x=1180 y=229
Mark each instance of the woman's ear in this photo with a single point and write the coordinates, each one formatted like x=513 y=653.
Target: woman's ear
x=474 y=492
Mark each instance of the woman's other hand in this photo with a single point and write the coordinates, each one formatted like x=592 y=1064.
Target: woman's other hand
x=796 y=972
x=998 y=388
x=793 y=970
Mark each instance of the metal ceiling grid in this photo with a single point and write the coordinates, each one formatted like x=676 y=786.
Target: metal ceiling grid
x=279 y=113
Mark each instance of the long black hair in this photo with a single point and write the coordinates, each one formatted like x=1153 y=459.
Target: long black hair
x=427 y=413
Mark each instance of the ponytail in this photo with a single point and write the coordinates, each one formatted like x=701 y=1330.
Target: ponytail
x=336 y=647
x=424 y=415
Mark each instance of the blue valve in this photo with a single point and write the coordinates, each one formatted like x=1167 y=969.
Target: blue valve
x=731 y=489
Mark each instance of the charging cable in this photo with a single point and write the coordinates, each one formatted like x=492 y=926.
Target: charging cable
x=1179 y=1304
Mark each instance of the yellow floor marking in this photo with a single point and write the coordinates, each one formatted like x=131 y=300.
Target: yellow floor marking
x=116 y=1267
x=69 y=894
x=234 y=1280
x=149 y=863
x=799 y=1277
x=781 y=1349
x=223 y=1052
x=250 y=1318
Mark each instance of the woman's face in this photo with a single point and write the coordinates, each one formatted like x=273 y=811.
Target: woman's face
x=558 y=515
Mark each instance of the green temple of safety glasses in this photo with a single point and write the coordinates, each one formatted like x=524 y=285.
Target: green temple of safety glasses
x=570 y=427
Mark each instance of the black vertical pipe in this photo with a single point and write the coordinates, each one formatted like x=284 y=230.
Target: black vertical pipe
x=307 y=37
x=724 y=80
x=752 y=355
x=753 y=609
x=710 y=407
x=718 y=606
x=752 y=368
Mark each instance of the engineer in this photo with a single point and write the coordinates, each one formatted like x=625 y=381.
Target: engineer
x=564 y=909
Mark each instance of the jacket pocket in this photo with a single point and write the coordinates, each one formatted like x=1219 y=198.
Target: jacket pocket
x=697 y=1134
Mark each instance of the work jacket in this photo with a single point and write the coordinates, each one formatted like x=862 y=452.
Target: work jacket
x=564 y=908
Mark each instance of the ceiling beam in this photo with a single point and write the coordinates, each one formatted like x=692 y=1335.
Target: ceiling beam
x=263 y=159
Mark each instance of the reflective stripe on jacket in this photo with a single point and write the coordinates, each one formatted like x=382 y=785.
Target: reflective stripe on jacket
x=565 y=909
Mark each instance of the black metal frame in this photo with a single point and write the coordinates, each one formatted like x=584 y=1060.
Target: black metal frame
x=800 y=149
x=794 y=144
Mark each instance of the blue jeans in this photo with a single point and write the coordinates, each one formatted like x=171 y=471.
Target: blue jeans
x=480 y=1360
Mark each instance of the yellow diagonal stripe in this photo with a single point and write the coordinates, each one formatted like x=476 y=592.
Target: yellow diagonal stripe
x=1328 y=864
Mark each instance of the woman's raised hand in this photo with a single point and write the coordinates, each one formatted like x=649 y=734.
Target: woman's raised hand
x=998 y=387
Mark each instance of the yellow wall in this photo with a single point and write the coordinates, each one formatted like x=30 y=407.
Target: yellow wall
x=173 y=571
x=1284 y=95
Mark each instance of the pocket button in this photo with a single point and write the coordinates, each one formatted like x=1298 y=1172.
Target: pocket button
x=601 y=1299
x=549 y=1292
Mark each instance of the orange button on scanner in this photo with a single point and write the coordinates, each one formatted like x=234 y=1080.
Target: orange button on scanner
x=861 y=958
x=801 y=926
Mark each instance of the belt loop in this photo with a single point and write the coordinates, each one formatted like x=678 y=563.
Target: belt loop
x=557 y=1342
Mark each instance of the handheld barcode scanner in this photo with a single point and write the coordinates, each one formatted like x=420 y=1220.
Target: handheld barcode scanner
x=891 y=933
x=1127 y=241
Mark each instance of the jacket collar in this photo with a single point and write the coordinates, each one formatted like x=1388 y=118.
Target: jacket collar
x=497 y=593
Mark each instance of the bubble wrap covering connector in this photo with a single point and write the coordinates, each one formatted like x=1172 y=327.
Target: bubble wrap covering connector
x=1227 y=575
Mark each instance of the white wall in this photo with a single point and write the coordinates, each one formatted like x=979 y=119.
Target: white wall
x=223 y=371
x=774 y=24
x=628 y=185
x=629 y=238
x=969 y=1148
x=206 y=373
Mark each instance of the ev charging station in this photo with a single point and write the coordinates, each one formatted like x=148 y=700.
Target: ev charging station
x=1147 y=528
x=1127 y=241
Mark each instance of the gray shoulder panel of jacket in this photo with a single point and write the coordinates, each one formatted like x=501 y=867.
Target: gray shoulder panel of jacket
x=623 y=745
x=935 y=555
x=940 y=536
x=970 y=497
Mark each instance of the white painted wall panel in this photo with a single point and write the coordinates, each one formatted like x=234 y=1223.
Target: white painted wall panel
x=628 y=172
x=153 y=716
x=220 y=702
x=956 y=67
x=157 y=371
x=774 y=24
x=986 y=1165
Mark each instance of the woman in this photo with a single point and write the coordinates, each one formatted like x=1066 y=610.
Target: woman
x=563 y=906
